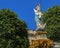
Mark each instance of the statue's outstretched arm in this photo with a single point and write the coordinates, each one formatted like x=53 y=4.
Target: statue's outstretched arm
x=35 y=10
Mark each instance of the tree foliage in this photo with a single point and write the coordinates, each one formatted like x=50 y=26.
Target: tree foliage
x=13 y=32
x=52 y=18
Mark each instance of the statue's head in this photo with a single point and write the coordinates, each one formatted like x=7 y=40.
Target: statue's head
x=38 y=7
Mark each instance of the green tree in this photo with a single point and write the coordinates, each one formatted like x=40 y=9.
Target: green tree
x=13 y=32
x=52 y=18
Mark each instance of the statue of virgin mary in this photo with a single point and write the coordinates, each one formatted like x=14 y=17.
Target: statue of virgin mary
x=38 y=18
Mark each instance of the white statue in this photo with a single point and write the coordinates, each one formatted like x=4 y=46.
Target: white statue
x=38 y=18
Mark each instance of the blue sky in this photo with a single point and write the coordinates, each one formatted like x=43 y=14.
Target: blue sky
x=24 y=8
